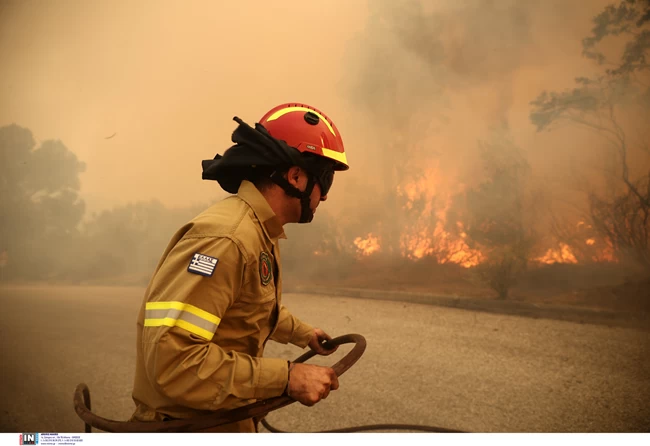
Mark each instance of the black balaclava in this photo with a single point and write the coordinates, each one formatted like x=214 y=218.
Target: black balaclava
x=256 y=148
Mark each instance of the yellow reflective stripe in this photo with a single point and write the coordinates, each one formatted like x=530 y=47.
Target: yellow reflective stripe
x=338 y=156
x=284 y=111
x=183 y=315
x=171 y=322
x=182 y=306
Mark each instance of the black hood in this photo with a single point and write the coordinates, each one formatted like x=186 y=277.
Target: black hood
x=254 y=148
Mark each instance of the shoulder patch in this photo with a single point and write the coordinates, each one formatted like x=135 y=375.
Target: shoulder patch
x=265 y=268
x=202 y=265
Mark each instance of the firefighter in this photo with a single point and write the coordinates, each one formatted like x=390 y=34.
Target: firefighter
x=215 y=298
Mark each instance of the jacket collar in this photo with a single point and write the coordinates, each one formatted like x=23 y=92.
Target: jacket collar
x=254 y=198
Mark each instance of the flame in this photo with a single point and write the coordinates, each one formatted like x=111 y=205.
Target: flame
x=426 y=200
x=561 y=255
x=602 y=253
x=428 y=239
x=457 y=251
x=426 y=235
x=368 y=245
x=582 y=223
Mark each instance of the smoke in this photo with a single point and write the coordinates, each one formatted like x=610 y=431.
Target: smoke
x=434 y=82
x=466 y=45
x=433 y=79
x=428 y=57
x=166 y=78
x=436 y=78
x=416 y=88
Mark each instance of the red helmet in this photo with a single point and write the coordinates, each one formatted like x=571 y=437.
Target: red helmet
x=308 y=130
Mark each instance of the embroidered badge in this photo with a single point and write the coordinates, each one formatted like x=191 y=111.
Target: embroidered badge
x=202 y=265
x=265 y=269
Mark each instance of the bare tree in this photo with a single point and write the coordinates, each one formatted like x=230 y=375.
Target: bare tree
x=608 y=105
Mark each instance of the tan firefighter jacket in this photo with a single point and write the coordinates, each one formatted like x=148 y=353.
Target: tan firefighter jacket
x=211 y=306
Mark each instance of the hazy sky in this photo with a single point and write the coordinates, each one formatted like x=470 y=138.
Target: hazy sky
x=167 y=77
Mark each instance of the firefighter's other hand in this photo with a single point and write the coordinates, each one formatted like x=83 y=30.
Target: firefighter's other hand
x=317 y=340
x=308 y=384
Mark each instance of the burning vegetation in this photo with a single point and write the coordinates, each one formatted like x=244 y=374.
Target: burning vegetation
x=493 y=214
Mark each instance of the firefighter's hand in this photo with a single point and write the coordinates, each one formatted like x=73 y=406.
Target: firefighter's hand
x=316 y=342
x=308 y=384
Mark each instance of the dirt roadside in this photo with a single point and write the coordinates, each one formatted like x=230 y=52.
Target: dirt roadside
x=629 y=319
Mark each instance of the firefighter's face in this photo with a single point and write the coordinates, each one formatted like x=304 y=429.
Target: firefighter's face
x=299 y=179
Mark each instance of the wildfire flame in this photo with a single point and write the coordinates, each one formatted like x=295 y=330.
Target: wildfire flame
x=426 y=235
x=434 y=240
x=603 y=250
x=368 y=245
x=607 y=254
x=427 y=201
x=561 y=255
x=456 y=250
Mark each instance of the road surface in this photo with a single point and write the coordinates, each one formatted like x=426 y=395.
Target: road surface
x=424 y=365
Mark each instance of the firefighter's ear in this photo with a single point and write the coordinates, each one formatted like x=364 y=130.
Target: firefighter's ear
x=293 y=175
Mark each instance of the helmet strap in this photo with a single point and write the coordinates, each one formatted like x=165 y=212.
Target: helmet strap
x=306 y=214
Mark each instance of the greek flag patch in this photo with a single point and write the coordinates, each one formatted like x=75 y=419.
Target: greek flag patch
x=202 y=265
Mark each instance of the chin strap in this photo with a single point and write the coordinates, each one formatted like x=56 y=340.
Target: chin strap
x=306 y=214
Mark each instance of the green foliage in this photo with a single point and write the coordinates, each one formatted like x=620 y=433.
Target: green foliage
x=494 y=215
x=40 y=223
x=553 y=106
x=629 y=18
x=595 y=102
x=41 y=208
x=501 y=271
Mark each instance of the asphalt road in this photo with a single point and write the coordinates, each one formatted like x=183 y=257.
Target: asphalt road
x=424 y=365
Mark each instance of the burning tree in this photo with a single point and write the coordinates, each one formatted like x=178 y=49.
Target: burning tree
x=399 y=92
x=413 y=60
x=614 y=105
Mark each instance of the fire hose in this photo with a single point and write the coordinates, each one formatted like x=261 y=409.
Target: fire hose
x=259 y=409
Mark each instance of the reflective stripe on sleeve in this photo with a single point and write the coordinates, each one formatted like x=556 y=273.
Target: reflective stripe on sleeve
x=180 y=314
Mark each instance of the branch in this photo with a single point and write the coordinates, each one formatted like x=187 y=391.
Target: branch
x=599 y=127
x=602 y=131
x=623 y=152
x=644 y=200
x=620 y=135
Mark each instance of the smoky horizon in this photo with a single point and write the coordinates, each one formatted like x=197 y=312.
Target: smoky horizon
x=477 y=133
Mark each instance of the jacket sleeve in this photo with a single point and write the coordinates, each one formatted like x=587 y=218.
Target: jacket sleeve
x=186 y=302
x=291 y=329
